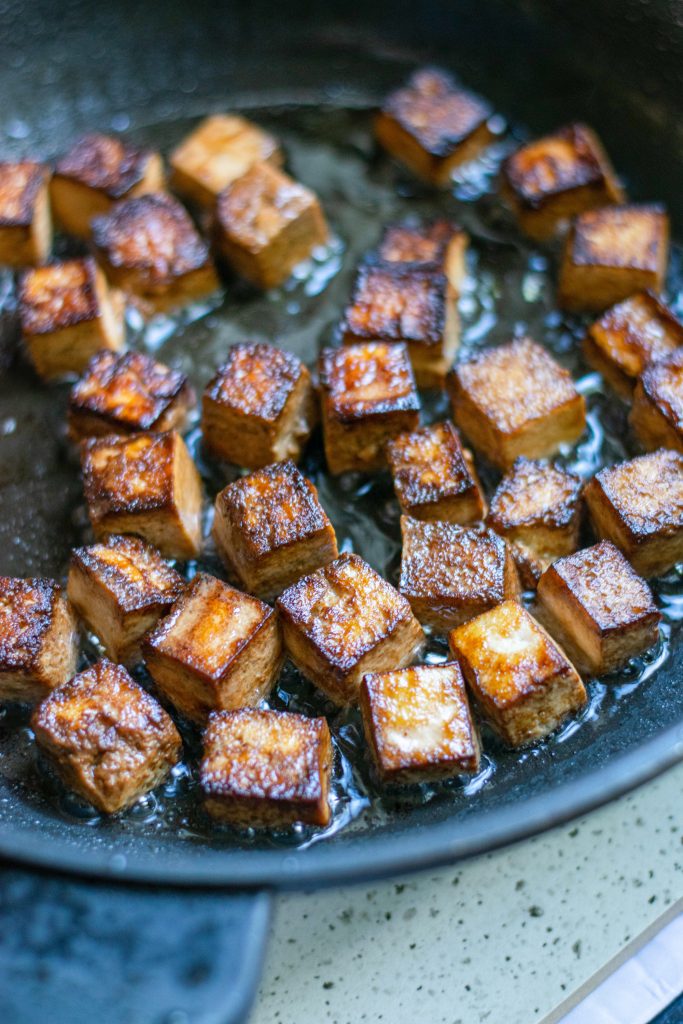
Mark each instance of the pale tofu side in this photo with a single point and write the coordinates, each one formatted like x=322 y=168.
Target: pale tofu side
x=25 y=219
x=440 y=242
x=656 y=415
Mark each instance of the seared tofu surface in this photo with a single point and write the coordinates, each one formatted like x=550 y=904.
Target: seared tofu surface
x=440 y=242
x=657 y=411
x=25 y=220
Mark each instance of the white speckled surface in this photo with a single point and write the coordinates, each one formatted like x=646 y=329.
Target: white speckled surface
x=508 y=937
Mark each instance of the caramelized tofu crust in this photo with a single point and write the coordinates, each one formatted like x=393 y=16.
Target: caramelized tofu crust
x=520 y=678
x=107 y=738
x=611 y=253
x=25 y=222
x=516 y=400
x=216 y=650
x=38 y=638
x=266 y=769
x=270 y=529
x=418 y=724
x=368 y=396
x=260 y=407
x=146 y=484
x=440 y=242
x=598 y=608
x=638 y=505
x=345 y=620
x=657 y=411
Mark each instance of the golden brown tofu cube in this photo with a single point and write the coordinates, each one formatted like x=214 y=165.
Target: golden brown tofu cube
x=628 y=337
x=98 y=171
x=216 y=650
x=611 y=253
x=67 y=314
x=519 y=677
x=38 y=638
x=151 y=250
x=260 y=407
x=25 y=221
x=220 y=149
x=554 y=178
x=440 y=242
x=345 y=620
x=657 y=411
x=120 y=589
x=270 y=529
x=538 y=508
x=368 y=396
x=450 y=573
x=516 y=400
x=432 y=125
x=107 y=738
x=638 y=505
x=433 y=478
x=266 y=224
x=146 y=484
x=598 y=608
x=266 y=769
x=418 y=724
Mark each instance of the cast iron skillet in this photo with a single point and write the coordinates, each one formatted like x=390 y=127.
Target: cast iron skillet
x=71 y=951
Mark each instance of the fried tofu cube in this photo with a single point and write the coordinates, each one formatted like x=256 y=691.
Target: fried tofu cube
x=266 y=769
x=98 y=171
x=418 y=724
x=519 y=677
x=598 y=608
x=260 y=407
x=220 y=149
x=270 y=529
x=538 y=508
x=432 y=125
x=108 y=739
x=266 y=224
x=638 y=505
x=368 y=396
x=146 y=484
x=67 y=313
x=611 y=253
x=516 y=400
x=38 y=638
x=628 y=337
x=345 y=620
x=25 y=220
x=440 y=242
x=552 y=179
x=433 y=478
x=216 y=650
x=151 y=250
x=120 y=589
x=657 y=411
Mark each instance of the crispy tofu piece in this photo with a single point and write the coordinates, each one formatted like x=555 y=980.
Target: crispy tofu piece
x=25 y=220
x=120 y=589
x=516 y=400
x=552 y=179
x=38 y=638
x=270 y=529
x=107 y=738
x=266 y=224
x=98 y=171
x=266 y=769
x=145 y=484
x=216 y=650
x=538 y=508
x=345 y=620
x=638 y=505
x=418 y=724
x=368 y=396
x=611 y=253
x=151 y=250
x=598 y=608
x=433 y=478
x=432 y=125
x=657 y=412
x=628 y=337
x=260 y=407
x=519 y=677
x=67 y=313
x=440 y=242
x=218 y=151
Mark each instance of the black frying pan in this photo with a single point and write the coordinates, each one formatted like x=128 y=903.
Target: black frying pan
x=101 y=951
